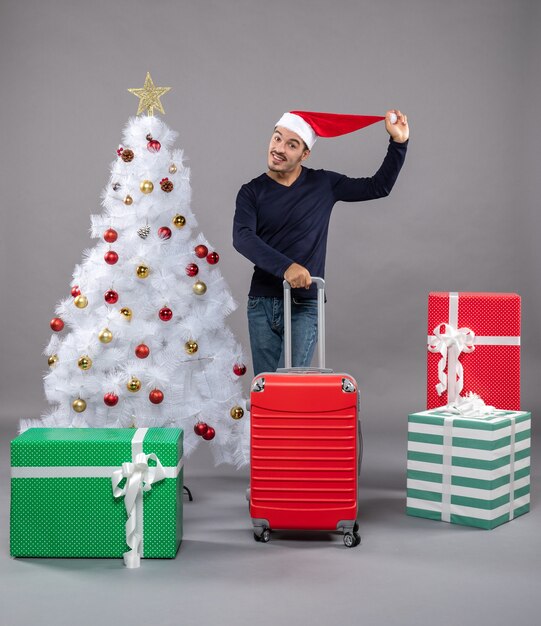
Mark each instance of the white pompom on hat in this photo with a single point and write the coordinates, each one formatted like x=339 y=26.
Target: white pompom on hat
x=310 y=125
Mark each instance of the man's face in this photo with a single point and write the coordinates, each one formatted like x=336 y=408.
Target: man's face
x=286 y=151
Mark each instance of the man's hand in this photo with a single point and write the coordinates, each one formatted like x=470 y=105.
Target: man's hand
x=399 y=131
x=298 y=276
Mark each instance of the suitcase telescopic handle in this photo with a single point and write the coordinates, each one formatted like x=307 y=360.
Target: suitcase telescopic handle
x=320 y=322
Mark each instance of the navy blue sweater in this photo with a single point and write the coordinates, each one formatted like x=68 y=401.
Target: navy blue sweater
x=276 y=225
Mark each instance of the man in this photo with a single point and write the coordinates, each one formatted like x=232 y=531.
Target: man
x=281 y=224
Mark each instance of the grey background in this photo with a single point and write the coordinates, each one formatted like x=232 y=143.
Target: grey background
x=463 y=216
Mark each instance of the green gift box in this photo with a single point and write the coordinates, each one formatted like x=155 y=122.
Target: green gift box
x=93 y=492
x=469 y=470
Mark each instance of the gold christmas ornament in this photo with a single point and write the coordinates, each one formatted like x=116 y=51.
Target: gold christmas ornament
x=149 y=96
x=179 y=221
x=79 y=405
x=81 y=301
x=172 y=168
x=128 y=200
x=84 y=362
x=142 y=271
x=126 y=313
x=105 y=336
x=236 y=412
x=146 y=186
x=191 y=346
x=134 y=384
x=52 y=360
x=199 y=288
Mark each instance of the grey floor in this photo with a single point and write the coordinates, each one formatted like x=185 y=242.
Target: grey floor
x=406 y=571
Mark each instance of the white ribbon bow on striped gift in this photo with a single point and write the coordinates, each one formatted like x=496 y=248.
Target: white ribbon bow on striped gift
x=139 y=478
x=444 y=339
x=470 y=405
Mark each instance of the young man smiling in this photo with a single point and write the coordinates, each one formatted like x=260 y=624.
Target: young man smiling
x=281 y=224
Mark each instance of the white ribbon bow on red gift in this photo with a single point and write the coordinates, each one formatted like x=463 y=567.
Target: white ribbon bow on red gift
x=139 y=478
x=447 y=338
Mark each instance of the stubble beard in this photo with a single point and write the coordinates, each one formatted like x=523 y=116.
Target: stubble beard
x=284 y=167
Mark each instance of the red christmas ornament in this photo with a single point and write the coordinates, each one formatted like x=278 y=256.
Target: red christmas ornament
x=142 y=351
x=155 y=396
x=110 y=235
x=164 y=232
x=165 y=314
x=75 y=291
x=210 y=433
x=192 y=269
x=239 y=369
x=213 y=258
x=201 y=251
x=111 y=296
x=57 y=324
x=111 y=257
x=154 y=145
x=110 y=399
x=119 y=151
x=200 y=428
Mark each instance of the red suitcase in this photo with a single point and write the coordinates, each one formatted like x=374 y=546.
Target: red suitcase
x=305 y=444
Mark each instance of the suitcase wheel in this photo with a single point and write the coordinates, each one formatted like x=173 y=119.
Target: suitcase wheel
x=263 y=537
x=352 y=539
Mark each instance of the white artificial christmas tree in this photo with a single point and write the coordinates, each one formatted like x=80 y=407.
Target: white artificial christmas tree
x=142 y=340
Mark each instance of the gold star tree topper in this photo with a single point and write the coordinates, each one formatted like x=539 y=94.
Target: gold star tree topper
x=149 y=96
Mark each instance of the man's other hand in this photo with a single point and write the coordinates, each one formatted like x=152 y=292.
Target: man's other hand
x=399 y=131
x=298 y=276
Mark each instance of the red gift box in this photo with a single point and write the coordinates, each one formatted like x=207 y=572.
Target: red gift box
x=474 y=346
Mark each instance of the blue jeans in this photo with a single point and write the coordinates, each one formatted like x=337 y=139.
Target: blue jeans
x=266 y=326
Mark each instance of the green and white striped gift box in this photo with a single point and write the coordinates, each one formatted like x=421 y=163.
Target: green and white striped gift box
x=469 y=470
x=71 y=489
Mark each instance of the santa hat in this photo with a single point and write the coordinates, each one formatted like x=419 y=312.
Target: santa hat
x=310 y=125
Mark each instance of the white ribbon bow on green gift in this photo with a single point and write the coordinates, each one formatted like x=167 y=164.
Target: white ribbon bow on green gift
x=450 y=338
x=139 y=478
x=470 y=405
